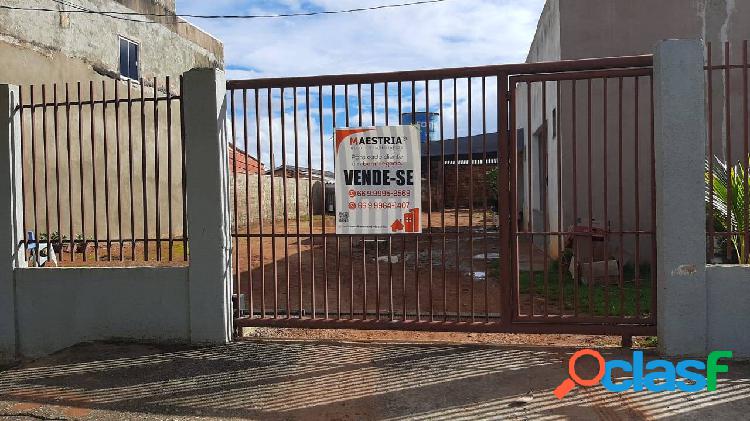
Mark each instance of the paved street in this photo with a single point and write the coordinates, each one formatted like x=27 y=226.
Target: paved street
x=335 y=380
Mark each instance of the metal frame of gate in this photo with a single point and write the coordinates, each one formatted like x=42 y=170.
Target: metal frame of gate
x=259 y=122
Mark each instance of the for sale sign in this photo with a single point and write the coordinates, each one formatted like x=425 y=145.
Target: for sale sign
x=378 y=181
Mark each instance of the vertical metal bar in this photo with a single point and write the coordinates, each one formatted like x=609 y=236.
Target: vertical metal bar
x=106 y=171
x=285 y=204
x=323 y=194
x=55 y=122
x=530 y=222
x=443 y=202
x=575 y=198
x=33 y=166
x=429 y=189
x=296 y=190
x=184 y=174
x=351 y=245
x=377 y=240
x=119 y=169
x=637 y=183
x=93 y=170
x=560 y=223
x=484 y=195
x=235 y=220
x=605 y=159
x=710 y=101
x=390 y=237
x=71 y=244
x=507 y=205
x=455 y=201
x=24 y=222
x=471 y=198
x=273 y=206
x=256 y=95
x=364 y=249
x=157 y=172
x=653 y=203
x=80 y=170
x=144 y=173
x=746 y=153
x=590 y=200
x=46 y=165
x=248 y=239
x=170 y=187
x=728 y=130
x=403 y=237
x=621 y=283
x=311 y=210
x=35 y=222
x=234 y=223
x=338 y=242
x=416 y=236
x=543 y=192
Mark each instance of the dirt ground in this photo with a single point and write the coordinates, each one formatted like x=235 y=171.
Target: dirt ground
x=452 y=275
x=510 y=339
x=334 y=380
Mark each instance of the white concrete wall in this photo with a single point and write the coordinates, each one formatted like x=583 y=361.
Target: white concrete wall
x=728 y=298
x=57 y=308
x=43 y=310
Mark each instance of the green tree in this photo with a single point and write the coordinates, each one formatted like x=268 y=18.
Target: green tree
x=729 y=201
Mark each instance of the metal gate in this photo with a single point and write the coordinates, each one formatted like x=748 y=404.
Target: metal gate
x=538 y=201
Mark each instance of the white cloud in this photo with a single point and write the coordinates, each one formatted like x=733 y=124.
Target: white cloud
x=450 y=34
x=454 y=33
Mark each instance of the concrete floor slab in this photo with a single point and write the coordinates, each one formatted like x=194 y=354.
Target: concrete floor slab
x=337 y=380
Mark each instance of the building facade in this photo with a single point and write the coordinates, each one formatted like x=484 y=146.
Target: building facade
x=69 y=46
x=579 y=29
x=127 y=153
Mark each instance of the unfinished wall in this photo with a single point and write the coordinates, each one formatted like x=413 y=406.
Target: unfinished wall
x=249 y=215
x=36 y=45
x=70 y=176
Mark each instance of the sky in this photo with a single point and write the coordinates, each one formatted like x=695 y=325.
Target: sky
x=454 y=33
x=450 y=34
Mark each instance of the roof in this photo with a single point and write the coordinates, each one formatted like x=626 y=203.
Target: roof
x=479 y=145
x=303 y=170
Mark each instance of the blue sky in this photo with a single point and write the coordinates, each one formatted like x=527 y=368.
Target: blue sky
x=454 y=33
x=449 y=34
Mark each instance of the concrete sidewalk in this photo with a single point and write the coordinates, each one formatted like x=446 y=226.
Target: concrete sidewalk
x=335 y=380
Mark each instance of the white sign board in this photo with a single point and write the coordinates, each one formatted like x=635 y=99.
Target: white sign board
x=378 y=180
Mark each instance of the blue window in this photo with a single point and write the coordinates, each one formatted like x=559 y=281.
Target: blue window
x=129 y=59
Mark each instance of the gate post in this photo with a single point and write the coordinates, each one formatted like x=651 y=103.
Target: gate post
x=680 y=143
x=207 y=189
x=11 y=210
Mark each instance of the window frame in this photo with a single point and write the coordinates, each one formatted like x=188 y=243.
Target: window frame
x=130 y=42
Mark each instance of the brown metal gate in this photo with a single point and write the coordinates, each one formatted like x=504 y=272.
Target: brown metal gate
x=506 y=246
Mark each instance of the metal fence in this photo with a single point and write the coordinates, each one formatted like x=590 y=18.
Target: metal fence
x=483 y=261
x=728 y=157
x=584 y=184
x=103 y=172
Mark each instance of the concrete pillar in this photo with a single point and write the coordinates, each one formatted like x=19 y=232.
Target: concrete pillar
x=11 y=210
x=207 y=173
x=680 y=124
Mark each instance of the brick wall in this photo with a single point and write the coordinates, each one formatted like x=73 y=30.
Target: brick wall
x=244 y=164
x=460 y=186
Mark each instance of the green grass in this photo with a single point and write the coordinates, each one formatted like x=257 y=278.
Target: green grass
x=603 y=299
